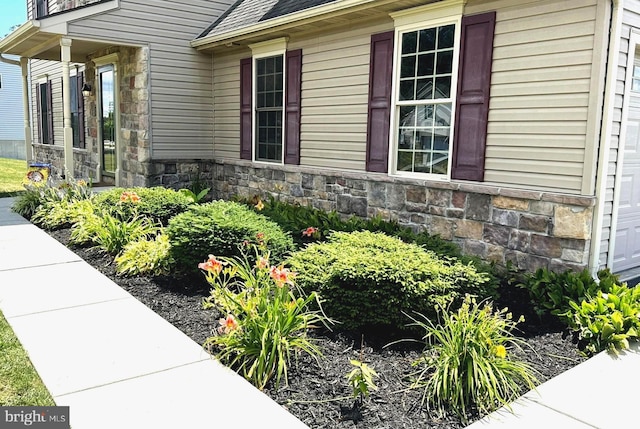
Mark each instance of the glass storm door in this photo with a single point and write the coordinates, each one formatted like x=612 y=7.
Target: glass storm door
x=107 y=119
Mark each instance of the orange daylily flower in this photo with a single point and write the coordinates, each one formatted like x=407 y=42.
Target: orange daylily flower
x=281 y=275
x=211 y=265
x=309 y=231
x=228 y=324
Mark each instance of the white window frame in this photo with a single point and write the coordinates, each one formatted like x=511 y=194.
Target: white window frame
x=415 y=19
x=0 y=80
x=270 y=48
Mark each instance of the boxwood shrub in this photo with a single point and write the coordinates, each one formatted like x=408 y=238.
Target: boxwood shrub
x=157 y=203
x=222 y=228
x=369 y=279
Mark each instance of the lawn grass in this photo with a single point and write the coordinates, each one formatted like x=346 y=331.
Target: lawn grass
x=20 y=385
x=12 y=171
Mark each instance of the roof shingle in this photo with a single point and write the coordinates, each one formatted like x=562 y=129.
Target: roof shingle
x=244 y=13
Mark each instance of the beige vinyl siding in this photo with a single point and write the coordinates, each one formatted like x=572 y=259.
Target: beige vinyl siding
x=335 y=88
x=226 y=113
x=630 y=19
x=335 y=85
x=540 y=92
x=543 y=114
x=181 y=90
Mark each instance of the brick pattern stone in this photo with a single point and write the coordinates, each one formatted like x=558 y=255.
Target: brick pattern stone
x=498 y=225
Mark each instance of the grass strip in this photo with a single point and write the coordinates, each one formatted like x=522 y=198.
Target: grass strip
x=20 y=384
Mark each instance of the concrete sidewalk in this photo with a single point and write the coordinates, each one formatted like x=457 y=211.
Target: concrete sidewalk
x=119 y=365
x=113 y=361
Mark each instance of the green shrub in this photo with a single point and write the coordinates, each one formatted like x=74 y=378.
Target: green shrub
x=468 y=363
x=606 y=321
x=30 y=201
x=62 y=214
x=265 y=318
x=552 y=292
x=369 y=279
x=146 y=257
x=158 y=203
x=222 y=228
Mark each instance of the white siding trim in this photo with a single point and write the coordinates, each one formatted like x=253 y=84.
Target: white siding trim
x=607 y=121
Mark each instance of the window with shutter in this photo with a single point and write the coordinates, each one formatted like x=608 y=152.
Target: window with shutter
x=77 y=109
x=270 y=105
x=45 y=112
x=438 y=109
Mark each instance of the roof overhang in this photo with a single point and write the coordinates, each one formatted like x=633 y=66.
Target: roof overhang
x=312 y=19
x=40 y=38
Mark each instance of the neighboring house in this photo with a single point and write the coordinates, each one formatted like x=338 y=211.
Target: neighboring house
x=11 y=110
x=508 y=126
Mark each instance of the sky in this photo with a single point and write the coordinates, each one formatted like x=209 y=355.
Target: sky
x=12 y=12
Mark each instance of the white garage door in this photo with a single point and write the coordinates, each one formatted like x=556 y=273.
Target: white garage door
x=627 y=244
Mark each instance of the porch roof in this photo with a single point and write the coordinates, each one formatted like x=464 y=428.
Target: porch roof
x=40 y=38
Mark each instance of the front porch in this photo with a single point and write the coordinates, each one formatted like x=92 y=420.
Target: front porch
x=102 y=115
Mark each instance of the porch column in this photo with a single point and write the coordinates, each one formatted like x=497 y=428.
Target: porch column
x=24 y=65
x=65 y=55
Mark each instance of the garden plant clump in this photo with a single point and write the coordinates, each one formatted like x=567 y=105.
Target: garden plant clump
x=267 y=302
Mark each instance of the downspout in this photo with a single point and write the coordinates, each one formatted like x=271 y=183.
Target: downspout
x=615 y=31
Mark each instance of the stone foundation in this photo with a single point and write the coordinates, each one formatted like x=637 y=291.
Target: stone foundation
x=529 y=229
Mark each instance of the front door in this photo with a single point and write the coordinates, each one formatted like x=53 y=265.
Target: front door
x=627 y=244
x=106 y=117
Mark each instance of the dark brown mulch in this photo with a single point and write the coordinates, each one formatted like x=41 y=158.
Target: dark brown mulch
x=314 y=386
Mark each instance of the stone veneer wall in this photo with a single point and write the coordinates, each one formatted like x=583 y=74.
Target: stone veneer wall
x=530 y=229
x=135 y=147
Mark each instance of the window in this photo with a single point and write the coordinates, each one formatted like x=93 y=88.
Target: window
x=42 y=8
x=429 y=87
x=424 y=99
x=0 y=81
x=269 y=101
x=45 y=112
x=635 y=79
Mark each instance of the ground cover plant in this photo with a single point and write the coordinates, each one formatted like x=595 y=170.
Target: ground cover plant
x=602 y=314
x=317 y=384
x=12 y=173
x=20 y=384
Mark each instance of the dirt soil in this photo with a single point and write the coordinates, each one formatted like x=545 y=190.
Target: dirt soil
x=318 y=393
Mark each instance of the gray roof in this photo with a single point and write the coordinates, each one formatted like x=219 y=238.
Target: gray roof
x=244 y=13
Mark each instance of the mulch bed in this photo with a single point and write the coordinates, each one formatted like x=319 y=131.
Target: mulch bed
x=318 y=393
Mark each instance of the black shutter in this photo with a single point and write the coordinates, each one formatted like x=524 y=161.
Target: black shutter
x=472 y=103
x=50 y=111
x=292 y=106
x=81 y=131
x=379 y=111
x=41 y=114
x=246 y=77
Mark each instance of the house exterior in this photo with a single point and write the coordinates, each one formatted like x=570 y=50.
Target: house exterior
x=508 y=126
x=11 y=110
